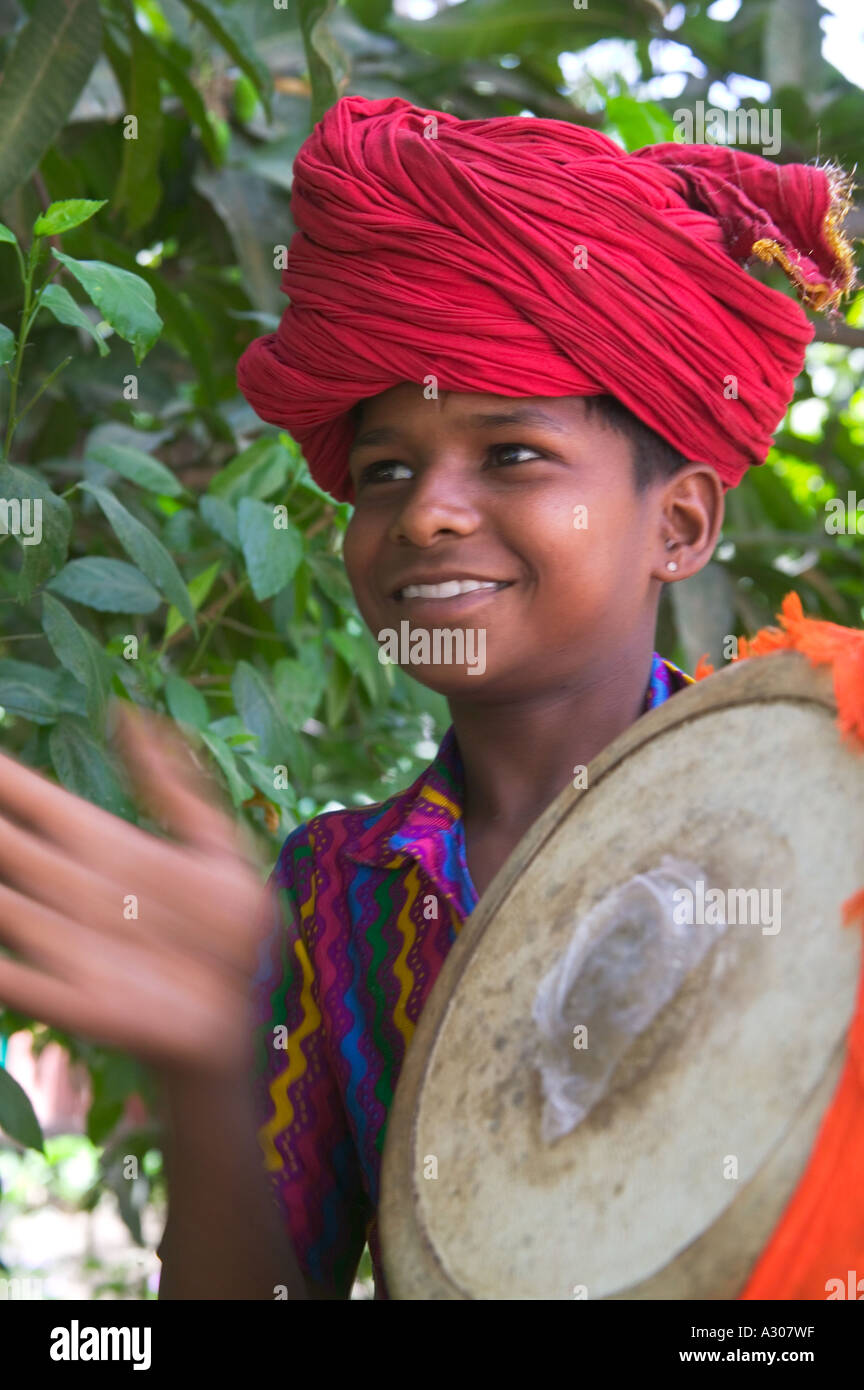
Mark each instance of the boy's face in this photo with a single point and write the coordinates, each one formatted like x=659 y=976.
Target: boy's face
x=527 y=492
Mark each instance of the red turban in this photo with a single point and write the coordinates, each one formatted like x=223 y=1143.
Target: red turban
x=528 y=257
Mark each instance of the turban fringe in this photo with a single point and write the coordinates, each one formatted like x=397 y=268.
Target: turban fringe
x=456 y=257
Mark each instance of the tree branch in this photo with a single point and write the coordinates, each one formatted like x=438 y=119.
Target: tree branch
x=842 y=334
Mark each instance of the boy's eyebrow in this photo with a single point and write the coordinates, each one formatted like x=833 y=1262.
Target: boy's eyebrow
x=523 y=415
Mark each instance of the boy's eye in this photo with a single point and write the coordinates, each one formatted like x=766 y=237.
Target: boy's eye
x=383 y=471
x=502 y=449
x=376 y=472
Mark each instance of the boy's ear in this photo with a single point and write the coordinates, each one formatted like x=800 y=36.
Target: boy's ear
x=691 y=511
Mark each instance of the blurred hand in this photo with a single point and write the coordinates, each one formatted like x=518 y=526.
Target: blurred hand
x=137 y=942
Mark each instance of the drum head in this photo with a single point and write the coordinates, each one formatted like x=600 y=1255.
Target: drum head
x=674 y=1180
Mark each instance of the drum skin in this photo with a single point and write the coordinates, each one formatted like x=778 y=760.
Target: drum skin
x=671 y=1186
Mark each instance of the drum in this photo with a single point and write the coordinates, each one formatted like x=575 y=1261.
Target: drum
x=620 y=1074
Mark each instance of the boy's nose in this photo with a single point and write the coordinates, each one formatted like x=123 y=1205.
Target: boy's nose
x=435 y=508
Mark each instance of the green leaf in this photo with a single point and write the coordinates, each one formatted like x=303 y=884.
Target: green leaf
x=123 y=299
x=783 y=511
x=130 y=1202
x=490 y=28
x=221 y=518
x=17 y=1116
x=230 y=34
x=58 y=300
x=102 y=1118
x=329 y=573
x=77 y=651
x=638 y=123
x=39 y=693
x=196 y=110
x=258 y=471
x=199 y=588
x=238 y=787
x=250 y=208
x=325 y=60
x=109 y=586
x=233 y=730
x=146 y=550
x=71 y=695
x=187 y=328
x=245 y=99
x=337 y=694
x=361 y=656
x=63 y=216
x=299 y=686
x=139 y=189
x=261 y=775
x=373 y=14
x=42 y=560
x=186 y=703
x=7 y=344
x=28 y=690
x=260 y=711
x=139 y=467
x=83 y=768
x=7 y=234
x=300 y=476
x=43 y=76
x=272 y=553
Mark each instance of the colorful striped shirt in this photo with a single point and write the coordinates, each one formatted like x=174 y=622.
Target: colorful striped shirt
x=371 y=899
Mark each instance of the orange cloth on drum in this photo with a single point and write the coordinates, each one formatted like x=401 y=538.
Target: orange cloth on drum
x=820 y=1236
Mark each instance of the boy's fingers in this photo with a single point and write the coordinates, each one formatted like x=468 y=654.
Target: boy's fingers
x=47 y=936
x=46 y=874
x=32 y=798
x=41 y=996
x=95 y=833
x=45 y=871
x=61 y=851
x=100 y=1018
x=157 y=1003
x=161 y=893
x=172 y=787
x=170 y=985
x=35 y=931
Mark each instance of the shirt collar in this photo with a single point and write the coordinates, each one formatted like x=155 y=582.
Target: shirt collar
x=418 y=823
x=432 y=804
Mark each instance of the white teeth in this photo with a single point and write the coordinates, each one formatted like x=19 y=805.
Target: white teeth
x=449 y=589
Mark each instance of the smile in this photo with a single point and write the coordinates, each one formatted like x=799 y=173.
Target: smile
x=450 y=588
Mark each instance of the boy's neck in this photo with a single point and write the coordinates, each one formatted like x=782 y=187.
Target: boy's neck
x=517 y=757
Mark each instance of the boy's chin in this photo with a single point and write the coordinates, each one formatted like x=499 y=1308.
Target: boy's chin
x=455 y=681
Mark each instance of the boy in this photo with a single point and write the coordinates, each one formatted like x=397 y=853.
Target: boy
x=483 y=290
x=497 y=265
x=382 y=891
